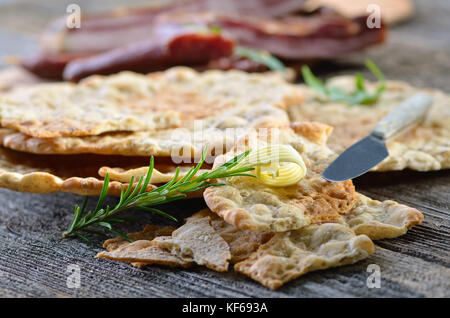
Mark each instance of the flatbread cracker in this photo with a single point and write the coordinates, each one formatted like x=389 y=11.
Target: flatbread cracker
x=218 y=133
x=197 y=241
x=149 y=232
x=241 y=242
x=380 y=220
x=68 y=109
x=235 y=87
x=423 y=148
x=249 y=204
x=291 y=254
x=275 y=258
x=75 y=173
x=134 y=102
x=376 y=219
x=142 y=251
x=125 y=175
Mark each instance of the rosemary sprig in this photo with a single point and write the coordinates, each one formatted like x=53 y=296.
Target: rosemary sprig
x=359 y=96
x=104 y=217
x=262 y=57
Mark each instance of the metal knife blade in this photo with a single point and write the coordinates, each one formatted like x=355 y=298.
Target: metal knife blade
x=356 y=160
x=371 y=150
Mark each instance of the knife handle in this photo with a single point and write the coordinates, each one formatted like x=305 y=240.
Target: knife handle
x=411 y=111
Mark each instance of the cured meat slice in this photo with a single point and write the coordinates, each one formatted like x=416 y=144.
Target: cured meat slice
x=158 y=39
x=103 y=32
x=153 y=55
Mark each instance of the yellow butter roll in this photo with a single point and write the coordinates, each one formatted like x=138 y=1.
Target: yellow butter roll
x=276 y=165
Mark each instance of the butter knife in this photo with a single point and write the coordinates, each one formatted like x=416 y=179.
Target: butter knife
x=371 y=150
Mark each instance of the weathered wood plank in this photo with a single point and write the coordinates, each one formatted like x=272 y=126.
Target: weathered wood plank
x=430 y=194
x=34 y=256
x=25 y=264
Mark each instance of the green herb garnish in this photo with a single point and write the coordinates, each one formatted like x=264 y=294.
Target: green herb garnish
x=215 y=29
x=104 y=217
x=262 y=57
x=359 y=96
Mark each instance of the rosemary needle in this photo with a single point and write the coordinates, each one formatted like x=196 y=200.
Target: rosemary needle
x=359 y=96
x=262 y=57
x=104 y=217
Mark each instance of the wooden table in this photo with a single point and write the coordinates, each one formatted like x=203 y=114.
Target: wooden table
x=34 y=258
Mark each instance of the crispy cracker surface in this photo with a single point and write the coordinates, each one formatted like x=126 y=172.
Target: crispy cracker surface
x=291 y=254
x=142 y=251
x=125 y=175
x=249 y=204
x=134 y=102
x=253 y=89
x=217 y=132
x=423 y=148
x=148 y=233
x=241 y=242
x=380 y=220
x=91 y=107
x=275 y=258
x=74 y=173
x=376 y=219
x=197 y=241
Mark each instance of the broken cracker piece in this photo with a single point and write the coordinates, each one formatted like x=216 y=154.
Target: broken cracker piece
x=197 y=241
x=148 y=233
x=242 y=243
x=379 y=220
x=291 y=254
x=143 y=253
x=249 y=204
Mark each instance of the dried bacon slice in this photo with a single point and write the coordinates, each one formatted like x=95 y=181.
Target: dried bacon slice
x=49 y=65
x=321 y=35
x=153 y=55
x=301 y=37
x=324 y=34
x=166 y=45
x=103 y=32
x=160 y=39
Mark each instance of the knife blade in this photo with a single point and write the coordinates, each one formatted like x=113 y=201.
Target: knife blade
x=371 y=150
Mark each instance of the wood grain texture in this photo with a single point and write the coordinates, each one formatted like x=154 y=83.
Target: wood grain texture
x=34 y=257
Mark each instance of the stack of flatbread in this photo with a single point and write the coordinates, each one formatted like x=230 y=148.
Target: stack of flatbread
x=66 y=137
